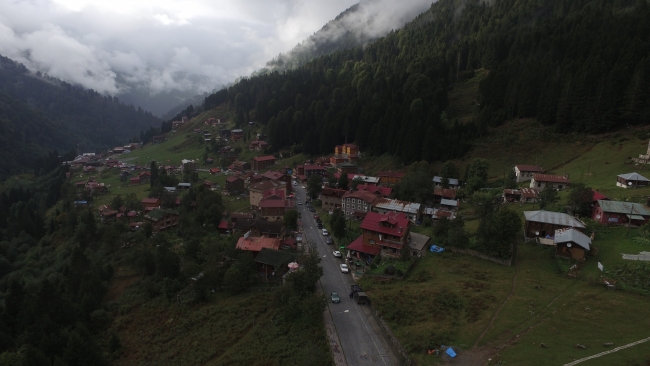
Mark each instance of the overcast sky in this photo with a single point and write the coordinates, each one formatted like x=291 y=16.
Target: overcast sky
x=159 y=45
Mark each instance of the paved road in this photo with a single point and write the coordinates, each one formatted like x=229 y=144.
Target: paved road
x=360 y=335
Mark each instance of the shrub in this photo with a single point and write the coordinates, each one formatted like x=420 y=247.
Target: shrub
x=390 y=270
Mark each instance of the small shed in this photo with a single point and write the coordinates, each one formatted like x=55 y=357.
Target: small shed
x=571 y=243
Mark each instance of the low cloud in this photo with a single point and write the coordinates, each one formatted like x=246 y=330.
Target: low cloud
x=193 y=46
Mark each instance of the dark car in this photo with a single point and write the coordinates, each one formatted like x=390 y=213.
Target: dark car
x=311 y=209
x=329 y=241
x=319 y=225
x=356 y=288
x=319 y=221
x=335 y=297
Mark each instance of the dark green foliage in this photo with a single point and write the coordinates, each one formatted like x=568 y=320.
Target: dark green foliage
x=497 y=231
x=314 y=185
x=580 y=199
x=343 y=181
x=448 y=170
x=39 y=113
x=338 y=223
x=476 y=175
x=290 y=220
x=548 y=198
x=417 y=184
x=510 y=181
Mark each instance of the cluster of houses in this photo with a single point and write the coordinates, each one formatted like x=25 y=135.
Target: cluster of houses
x=564 y=231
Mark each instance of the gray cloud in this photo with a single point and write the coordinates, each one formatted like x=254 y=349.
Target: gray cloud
x=120 y=46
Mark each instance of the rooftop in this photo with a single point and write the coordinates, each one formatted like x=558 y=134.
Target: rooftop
x=255 y=244
x=363 y=195
x=634 y=176
x=264 y=158
x=391 y=223
x=572 y=235
x=555 y=218
x=452 y=181
x=529 y=168
x=397 y=205
x=629 y=208
x=550 y=178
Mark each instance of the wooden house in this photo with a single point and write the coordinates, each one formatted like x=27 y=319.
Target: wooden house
x=332 y=198
x=544 y=223
x=263 y=162
x=525 y=172
x=235 y=185
x=390 y=177
x=162 y=219
x=541 y=181
x=632 y=180
x=571 y=243
x=609 y=212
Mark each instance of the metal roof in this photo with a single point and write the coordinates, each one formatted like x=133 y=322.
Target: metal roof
x=452 y=181
x=572 y=235
x=556 y=218
x=634 y=176
x=397 y=205
x=630 y=208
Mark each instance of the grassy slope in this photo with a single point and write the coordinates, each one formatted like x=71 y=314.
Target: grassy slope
x=555 y=313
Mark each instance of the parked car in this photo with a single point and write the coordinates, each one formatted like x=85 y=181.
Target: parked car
x=319 y=225
x=335 y=297
x=325 y=233
x=300 y=203
x=361 y=297
x=316 y=217
x=329 y=241
x=318 y=220
x=303 y=187
x=356 y=288
x=299 y=238
x=344 y=268
x=336 y=254
x=311 y=209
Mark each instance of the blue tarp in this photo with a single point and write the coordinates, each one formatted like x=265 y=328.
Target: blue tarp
x=451 y=352
x=436 y=249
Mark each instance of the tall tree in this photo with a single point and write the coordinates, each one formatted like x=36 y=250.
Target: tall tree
x=153 y=170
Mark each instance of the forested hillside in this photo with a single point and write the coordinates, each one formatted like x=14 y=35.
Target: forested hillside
x=581 y=66
x=39 y=111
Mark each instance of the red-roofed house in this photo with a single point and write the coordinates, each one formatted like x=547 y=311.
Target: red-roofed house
x=255 y=244
x=331 y=198
x=257 y=190
x=446 y=193
x=526 y=172
x=234 y=184
x=134 y=181
x=145 y=177
x=274 y=207
x=215 y=171
x=385 y=233
x=276 y=176
x=390 y=177
x=151 y=202
x=541 y=181
x=224 y=227
x=359 y=202
x=375 y=189
x=263 y=162
x=314 y=169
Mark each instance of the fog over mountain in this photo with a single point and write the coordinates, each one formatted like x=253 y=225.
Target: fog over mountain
x=157 y=54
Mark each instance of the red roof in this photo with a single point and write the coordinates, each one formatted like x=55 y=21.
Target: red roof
x=264 y=158
x=357 y=245
x=223 y=225
x=529 y=168
x=315 y=167
x=256 y=244
x=274 y=192
x=363 y=195
x=150 y=200
x=598 y=196
x=373 y=188
x=391 y=223
x=550 y=178
x=529 y=192
x=333 y=192
x=445 y=192
x=273 y=175
x=272 y=203
x=215 y=170
x=232 y=179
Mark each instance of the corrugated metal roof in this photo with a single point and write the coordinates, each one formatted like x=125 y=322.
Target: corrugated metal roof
x=572 y=235
x=447 y=202
x=452 y=181
x=624 y=207
x=634 y=176
x=556 y=218
x=397 y=205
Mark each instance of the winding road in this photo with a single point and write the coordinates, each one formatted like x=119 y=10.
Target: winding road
x=361 y=338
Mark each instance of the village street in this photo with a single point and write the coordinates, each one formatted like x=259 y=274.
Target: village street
x=360 y=336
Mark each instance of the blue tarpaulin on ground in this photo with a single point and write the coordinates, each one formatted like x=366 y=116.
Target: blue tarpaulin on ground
x=451 y=352
x=436 y=249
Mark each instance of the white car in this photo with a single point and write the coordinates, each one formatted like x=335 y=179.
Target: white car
x=325 y=233
x=337 y=254
x=295 y=183
x=344 y=268
x=303 y=187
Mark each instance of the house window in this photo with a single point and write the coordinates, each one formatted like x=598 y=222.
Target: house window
x=353 y=207
x=559 y=187
x=539 y=184
x=371 y=241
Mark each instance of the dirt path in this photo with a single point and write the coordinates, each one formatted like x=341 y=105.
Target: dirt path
x=496 y=313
